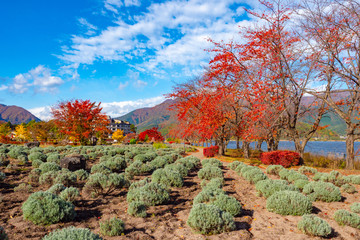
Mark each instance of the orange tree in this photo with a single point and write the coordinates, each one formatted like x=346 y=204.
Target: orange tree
x=80 y=119
x=151 y=134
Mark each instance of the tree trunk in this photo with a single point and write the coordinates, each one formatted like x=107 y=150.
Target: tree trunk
x=237 y=143
x=299 y=147
x=350 y=138
x=258 y=145
x=245 y=148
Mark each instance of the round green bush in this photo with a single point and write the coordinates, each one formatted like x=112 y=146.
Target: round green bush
x=240 y=166
x=355 y=207
x=81 y=174
x=300 y=183
x=150 y=194
x=44 y=208
x=179 y=168
x=70 y=194
x=293 y=176
x=187 y=163
x=159 y=162
x=208 y=172
x=168 y=177
x=209 y=219
x=72 y=233
x=317 y=176
x=208 y=195
x=56 y=189
x=48 y=178
x=305 y=169
x=314 y=226
x=115 y=164
x=274 y=169
x=112 y=227
x=348 y=188
x=100 y=168
x=228 y=204
x=254 y=175
x=322 y=191
x=49 y=166
x=343 y=217
x=213 y=183
x=37 y=156
x=36 y=163
x=289 y=203
x=65 y=176
x=53 y=157
x=233 y=165
x=211 y=161
x=268 y=187
x=137 y=209
x=355 y=179
x=102 y=184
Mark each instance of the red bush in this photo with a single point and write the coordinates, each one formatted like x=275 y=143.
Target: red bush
x=284 y=158
x=211 y=151
x=171 y=142
x=153 y=134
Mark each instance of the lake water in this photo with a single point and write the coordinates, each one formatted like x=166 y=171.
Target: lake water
x=337 y=148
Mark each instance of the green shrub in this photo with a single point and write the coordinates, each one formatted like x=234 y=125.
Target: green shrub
x=268 y=187
x=300 y=183
x=23 y=187
x=72 y=233
x=116 y=164
x=317 y=176
x=314 y=226
x=322 y=191
x=159 y=162
x=53 y=157
x=66 y=177
x=112 y=227
x=81 y=174
x=289 y=203
x=335 y=178
x=348 y=188
x=158 y=145
x=274 y=169
x=100 y=168
x=179 y=168
x=240 y=166
x=208 y=195
x=284 y=174
x=254 y=175
x=56 y=189
x=137 y=209
x=293 y=176
x=168 y=177
x=244 y=169
x=102 y=184
x=233 y=165
x=36 y=163
x=305 y=169
x=138 y=168
x=34 y=175
x=37 y=156
x=209 y=219
x=208 y=172
x=48 y=178
x=343 y=217
x=228 y=204
x=196 y=161
x=187 y=163
x=70 y=194
x=3 y=235
x=355 y=179
x=213 y=183
x=44 y=208
x=355 y=207
x=49 y=166
x=211 y=161
x=16 y=152
x=150 y=194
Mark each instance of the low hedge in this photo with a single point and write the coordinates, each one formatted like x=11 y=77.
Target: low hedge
x=283 y=158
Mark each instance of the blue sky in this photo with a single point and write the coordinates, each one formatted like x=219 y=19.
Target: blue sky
x=123 y=53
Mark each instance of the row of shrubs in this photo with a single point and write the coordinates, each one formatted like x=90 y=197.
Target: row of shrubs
x=213 y=210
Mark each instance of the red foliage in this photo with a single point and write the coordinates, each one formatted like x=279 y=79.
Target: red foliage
x=153 y=134
x=211 y=151
x=80 y=119
x=171 y=142
x=284 y=158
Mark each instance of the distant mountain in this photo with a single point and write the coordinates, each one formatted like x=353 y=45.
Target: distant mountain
x=157 y=116
x=160 y=116
x=16 y=115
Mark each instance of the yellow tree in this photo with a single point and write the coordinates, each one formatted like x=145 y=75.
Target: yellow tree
x=118 y=135
x=21 y=132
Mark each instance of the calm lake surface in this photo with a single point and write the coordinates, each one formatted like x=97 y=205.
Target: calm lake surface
x=337 y=148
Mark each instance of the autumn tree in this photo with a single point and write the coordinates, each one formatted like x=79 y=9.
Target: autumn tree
x=332 y=29
x=151 y=134
x=118 y=135
x=80 y=119
x=5 y=130
x=22 y=132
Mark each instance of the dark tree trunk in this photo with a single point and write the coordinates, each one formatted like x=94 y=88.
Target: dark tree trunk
x=350 y=156
x=246 y=149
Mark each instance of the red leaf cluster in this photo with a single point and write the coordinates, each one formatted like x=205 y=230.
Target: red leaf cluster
x=153 y=134
x=283 y=158
x=211 y=151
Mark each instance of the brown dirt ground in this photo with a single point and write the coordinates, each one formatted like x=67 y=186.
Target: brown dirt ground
x=168 y=221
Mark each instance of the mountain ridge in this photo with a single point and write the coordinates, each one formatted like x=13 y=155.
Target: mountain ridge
x=16 y=114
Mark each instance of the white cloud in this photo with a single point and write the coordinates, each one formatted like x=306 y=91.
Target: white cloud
x=113 y=109
x=139 y=84
x=70 y=71
x=39 y=79
x=3 y=87
x=90 y=28
x=167 y=34
x=112 y=5
x=132 y=3
x=122 y=86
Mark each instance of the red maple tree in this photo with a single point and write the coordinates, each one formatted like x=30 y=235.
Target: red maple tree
x=80 y=120
x=151 y=134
